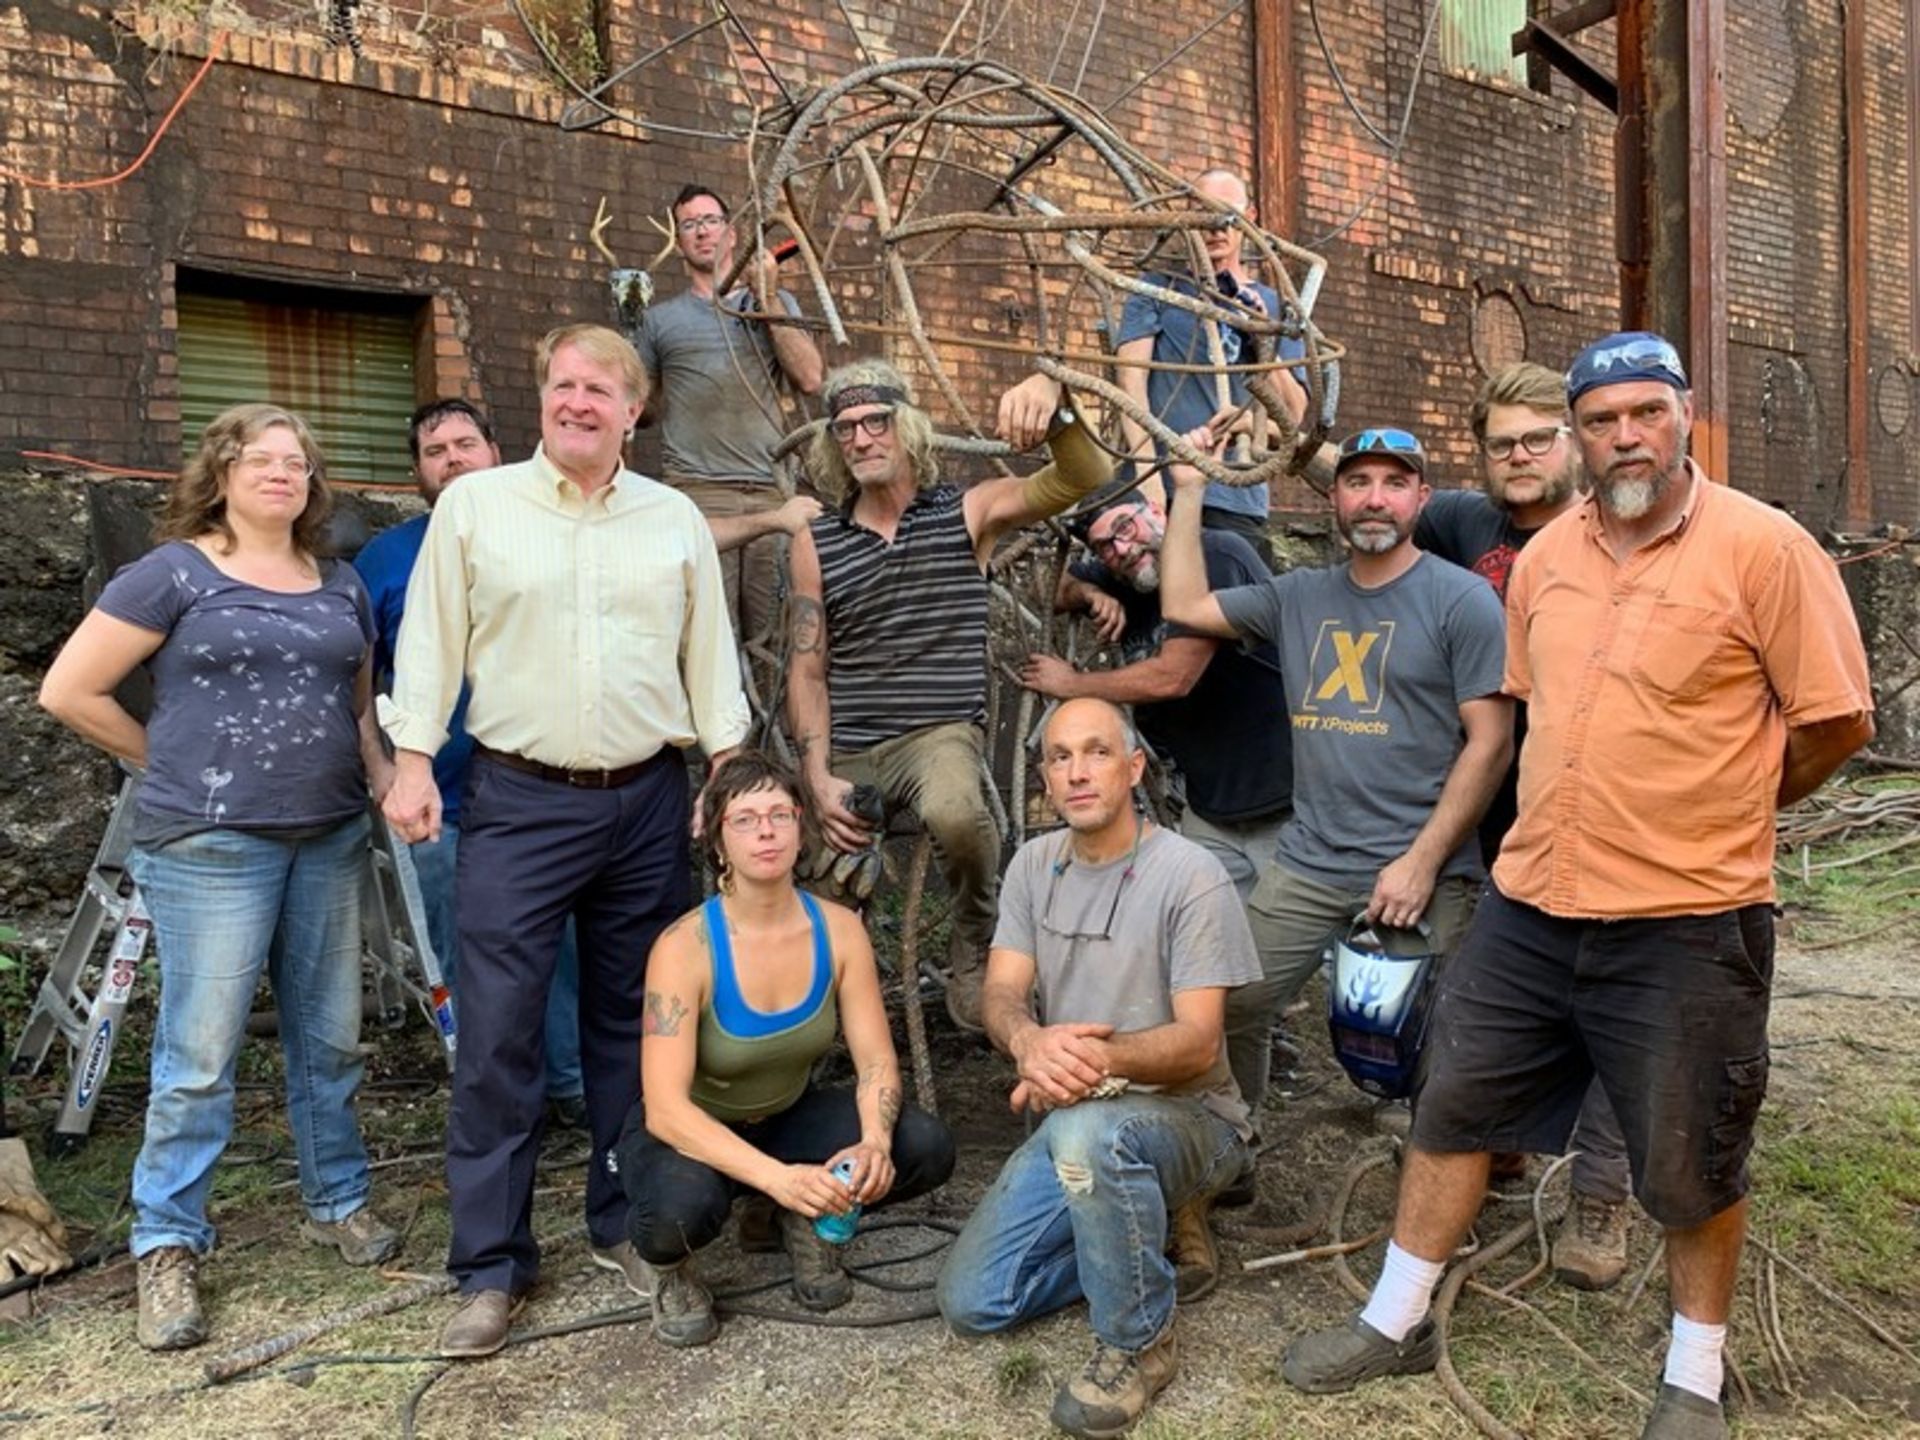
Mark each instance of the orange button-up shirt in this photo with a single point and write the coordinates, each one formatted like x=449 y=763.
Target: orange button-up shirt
x=1659 y=693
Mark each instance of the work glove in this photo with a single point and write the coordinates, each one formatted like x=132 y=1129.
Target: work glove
x=32 y=1239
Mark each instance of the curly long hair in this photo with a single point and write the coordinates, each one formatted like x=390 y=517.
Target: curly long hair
x=827 y=463
x=197 y=504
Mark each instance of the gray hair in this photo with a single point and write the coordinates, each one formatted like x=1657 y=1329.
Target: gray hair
x=827 y=463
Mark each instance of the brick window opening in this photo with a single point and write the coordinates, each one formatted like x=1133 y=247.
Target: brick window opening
x=342 y=360
x=1476 y=40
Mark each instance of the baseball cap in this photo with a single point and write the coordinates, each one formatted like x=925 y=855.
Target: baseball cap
x=1627 y=356
x=1401 y=445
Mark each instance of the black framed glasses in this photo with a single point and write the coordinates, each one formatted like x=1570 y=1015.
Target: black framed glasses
x=1124 y=530
x=694 y=224
x=1047 y=922
x=1534 y=442
x=876 y=425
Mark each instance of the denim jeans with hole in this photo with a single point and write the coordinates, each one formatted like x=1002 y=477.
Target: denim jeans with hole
x=227 y=905
x=1080 y=1210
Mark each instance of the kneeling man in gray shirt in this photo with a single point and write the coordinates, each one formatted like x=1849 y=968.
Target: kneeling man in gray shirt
x=1117 y=945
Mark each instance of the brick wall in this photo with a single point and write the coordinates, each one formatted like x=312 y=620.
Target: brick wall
x=434 y=164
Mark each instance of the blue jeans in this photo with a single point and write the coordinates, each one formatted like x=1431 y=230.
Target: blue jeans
x=1080 y=1210
x=434 y=864
x=225 y=904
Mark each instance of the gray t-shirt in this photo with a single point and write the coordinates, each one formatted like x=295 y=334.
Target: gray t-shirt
x=253 y=724
x=1375 y=681
x=720 y=387
x=1113 y=943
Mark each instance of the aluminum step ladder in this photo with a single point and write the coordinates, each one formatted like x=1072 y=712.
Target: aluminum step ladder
x=394 y=946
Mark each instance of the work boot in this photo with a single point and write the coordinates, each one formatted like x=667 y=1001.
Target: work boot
x=1114 y=1388
x=819 y=1280
x=568 y=1112
x=363 y=1238
x=170 y=1317
x=1330 y=1361
x=1191 y=1247
x=759 y=1230
x=479 y=1327
x=966 y=970
x=682 y=1307
x=1682 y=1415
x=624 y=1261
x=1590 y=1252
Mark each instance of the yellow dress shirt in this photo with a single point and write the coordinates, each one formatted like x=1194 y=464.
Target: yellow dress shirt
x=593 y=629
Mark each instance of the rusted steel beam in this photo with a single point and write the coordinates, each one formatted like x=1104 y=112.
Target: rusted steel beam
x=1545 y=40
x=1671 y=189
x=1853 y=92
x=1275 y=140
x=1707 y=230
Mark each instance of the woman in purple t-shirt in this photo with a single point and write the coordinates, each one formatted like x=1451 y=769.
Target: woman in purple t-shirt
x=250 y=830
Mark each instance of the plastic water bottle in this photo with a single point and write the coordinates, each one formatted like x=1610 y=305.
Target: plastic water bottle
x=838 y=1229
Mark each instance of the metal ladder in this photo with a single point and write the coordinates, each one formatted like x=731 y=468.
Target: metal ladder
x=394 y=944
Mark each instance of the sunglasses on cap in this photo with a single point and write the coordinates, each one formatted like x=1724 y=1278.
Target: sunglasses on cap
x=1401 y=444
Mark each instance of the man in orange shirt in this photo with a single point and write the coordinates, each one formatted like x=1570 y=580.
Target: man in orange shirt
x=1690 y=662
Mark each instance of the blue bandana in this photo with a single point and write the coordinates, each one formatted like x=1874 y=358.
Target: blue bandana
x=1628 y=356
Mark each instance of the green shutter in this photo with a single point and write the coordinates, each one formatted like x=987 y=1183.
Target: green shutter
x=347 y=371
x=1477 y=36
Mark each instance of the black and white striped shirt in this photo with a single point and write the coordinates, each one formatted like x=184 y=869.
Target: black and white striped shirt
x=907 y=622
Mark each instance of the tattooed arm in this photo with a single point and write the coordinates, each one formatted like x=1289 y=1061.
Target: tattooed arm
x=809 y=709
x=863 y=1017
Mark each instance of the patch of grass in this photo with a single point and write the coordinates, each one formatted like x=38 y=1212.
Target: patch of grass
x=1847 y=1189
x=1016 y=1371
x=1849 y=887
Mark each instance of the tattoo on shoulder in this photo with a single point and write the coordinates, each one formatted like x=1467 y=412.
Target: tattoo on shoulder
x=807 y=624
x=663 y=1014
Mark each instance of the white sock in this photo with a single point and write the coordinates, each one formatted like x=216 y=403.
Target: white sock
x=1694 y=1357
x=1403 y=1294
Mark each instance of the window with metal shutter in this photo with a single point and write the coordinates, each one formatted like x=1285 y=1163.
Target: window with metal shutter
x=343 y=362
x=1476 y=38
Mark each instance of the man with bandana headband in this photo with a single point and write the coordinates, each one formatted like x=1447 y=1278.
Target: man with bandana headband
x=888 y=680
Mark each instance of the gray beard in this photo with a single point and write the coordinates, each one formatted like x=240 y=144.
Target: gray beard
x=1373 y=542
x=1632 y=499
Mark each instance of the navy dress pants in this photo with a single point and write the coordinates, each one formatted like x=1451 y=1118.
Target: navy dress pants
x=533 y=851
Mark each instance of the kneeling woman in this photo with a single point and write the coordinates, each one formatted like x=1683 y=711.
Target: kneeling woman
x=743 y=995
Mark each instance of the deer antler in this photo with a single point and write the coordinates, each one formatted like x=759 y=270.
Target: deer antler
x=601 y=219
x=667 y=230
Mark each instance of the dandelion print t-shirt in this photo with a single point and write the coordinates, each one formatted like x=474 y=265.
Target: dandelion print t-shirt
x=253 y=723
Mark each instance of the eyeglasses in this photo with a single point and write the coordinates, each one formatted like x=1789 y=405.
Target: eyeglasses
x=1060 y=867
x=1125 y=530
x=876 y=425
x=1385 y=442
x=1534 y=442
x=255 y=462
x=748 y=822
x=694 y=224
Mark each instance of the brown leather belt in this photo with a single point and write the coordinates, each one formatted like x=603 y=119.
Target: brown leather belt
x=558 y=775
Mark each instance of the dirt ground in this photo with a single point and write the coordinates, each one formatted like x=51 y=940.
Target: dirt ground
x=1842 y=1110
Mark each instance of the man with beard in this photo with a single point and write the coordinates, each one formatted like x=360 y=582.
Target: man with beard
x=1117 y=947
x=716 y=385
x=1400 y=732
x=450 y=438
x=888 y=685
x=1519 y=421
x=1715 y=672
x=1209 y=709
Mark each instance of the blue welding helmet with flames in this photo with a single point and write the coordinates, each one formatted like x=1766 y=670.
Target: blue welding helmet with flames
x=1377 y=1008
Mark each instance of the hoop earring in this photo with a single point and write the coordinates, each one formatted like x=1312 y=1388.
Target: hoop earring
x=725 y=878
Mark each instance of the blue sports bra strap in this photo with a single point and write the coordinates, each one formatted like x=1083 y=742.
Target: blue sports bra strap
x=726 y=985
x=822 y=943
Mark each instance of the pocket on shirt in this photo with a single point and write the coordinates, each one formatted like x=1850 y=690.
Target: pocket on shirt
x=1683 y=649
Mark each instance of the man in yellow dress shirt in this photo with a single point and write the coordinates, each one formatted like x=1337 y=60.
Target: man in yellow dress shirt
x=583 y=604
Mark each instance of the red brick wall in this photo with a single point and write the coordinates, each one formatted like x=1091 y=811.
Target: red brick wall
x=433 y=166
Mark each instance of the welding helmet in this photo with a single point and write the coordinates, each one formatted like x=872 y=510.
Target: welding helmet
x=1377 y=1007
